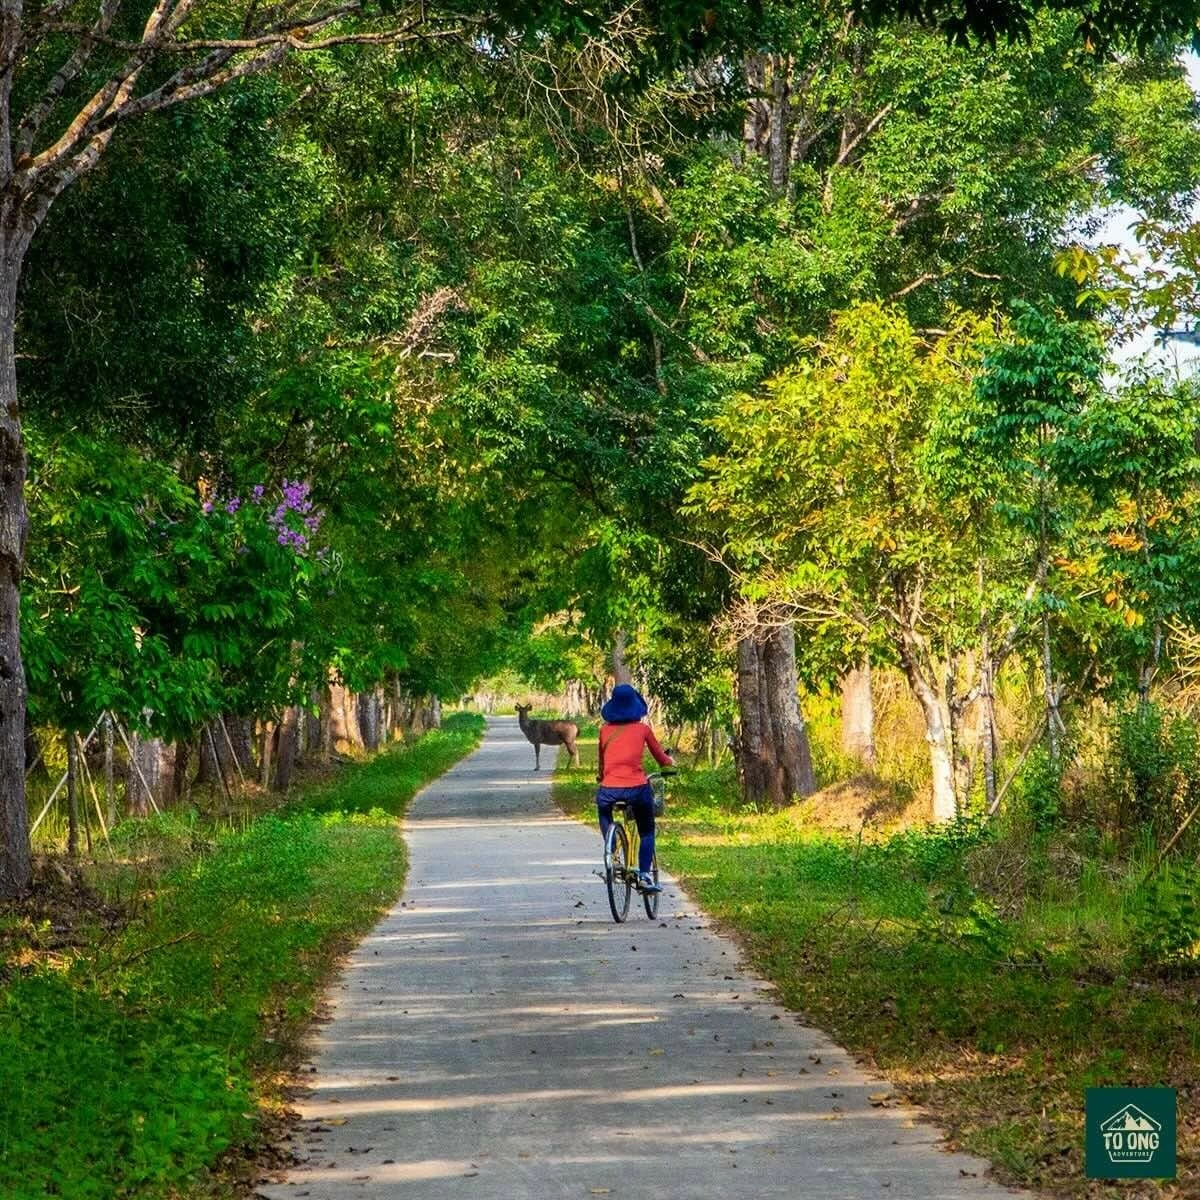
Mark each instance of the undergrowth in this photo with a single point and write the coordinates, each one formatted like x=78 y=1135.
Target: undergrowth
x=129 y=1066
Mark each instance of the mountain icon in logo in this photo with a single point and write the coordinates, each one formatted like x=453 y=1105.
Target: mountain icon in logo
x=1130 y=1135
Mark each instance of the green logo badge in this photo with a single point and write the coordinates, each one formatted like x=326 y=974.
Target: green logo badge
x=1130 y=1133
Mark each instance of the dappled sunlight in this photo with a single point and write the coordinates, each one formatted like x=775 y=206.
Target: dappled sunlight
x=318 y=1109
x=411 y=1172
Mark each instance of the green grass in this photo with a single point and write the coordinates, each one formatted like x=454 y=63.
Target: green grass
x=130 y=1067
x=989 y=982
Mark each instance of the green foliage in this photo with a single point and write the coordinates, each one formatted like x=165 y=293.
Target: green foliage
x=132 y=1070
x=1167 y=918
x=1153 y=769
x=988 y=21
x=141 y=602
x=1039 y=790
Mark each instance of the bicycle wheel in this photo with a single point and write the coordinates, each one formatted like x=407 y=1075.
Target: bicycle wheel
x=650 y=899
x=616 y=872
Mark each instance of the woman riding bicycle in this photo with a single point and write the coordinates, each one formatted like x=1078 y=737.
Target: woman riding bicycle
x=624 y=738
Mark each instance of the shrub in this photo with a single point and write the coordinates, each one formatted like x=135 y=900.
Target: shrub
x=1152 y=770
x=1039 y=790
x=1167 y=919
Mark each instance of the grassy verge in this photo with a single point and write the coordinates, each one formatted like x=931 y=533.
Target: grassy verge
x=131 y=1064
x=994 y=1009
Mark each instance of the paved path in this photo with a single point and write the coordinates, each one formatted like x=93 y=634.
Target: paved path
x=497 y=1037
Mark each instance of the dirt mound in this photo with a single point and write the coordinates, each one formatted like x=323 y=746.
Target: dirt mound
x=862 y=802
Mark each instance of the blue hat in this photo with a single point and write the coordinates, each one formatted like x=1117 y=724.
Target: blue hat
x=625 y=704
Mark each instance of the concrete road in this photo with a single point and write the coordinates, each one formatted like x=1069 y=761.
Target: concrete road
x=497 y=1037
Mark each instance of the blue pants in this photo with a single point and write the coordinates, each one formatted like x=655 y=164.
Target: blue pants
x=641 y=804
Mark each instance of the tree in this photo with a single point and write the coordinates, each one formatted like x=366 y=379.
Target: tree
x=831 y=514
x=73 y=74
x=1099 y=25
x=1032 y=390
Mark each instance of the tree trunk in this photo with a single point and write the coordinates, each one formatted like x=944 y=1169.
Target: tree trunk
x=941 y=755
x=326 y=726
x=313 y=726
x=72 y=797
x=240 y=732
x=777 y=143
x=620 y=668
x=370 y=719
x=16 y=867
x=137 y=800
x=264 y=761
x=987 y=727
x=754 y=752
x=945 y=800
x=155 y=762
x=937 y=731
x=793 y=755
x=110 y=795
x=208 y=762
x=1054 y=724
x=758 y=118
x=182 y=752
x=343 y=715
x=858 y=714
x=286 y=758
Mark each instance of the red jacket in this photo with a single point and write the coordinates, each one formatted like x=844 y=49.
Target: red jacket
x=621 y=750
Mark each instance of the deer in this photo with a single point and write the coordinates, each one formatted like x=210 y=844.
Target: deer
x=548 y=733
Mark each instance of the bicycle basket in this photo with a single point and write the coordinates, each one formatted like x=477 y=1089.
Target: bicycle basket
x=659 y=788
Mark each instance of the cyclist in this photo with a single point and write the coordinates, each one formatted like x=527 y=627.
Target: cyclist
x=624 y=738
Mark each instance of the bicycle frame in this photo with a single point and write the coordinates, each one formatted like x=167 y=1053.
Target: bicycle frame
x=622 y=849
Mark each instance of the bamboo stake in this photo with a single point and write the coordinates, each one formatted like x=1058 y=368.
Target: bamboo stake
x=1029 y=744
x=59 y=787
x=212 y=745
x=232 y=751
x=133 y=763
x=87 y=772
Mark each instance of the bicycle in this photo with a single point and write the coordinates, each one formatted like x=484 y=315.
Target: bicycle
x=621 y=876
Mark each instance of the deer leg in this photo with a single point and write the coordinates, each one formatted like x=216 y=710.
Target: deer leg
x=537 y=756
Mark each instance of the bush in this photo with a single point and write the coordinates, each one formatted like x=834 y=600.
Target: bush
x=1152 y=770
x=1039 y=790
x=1167 y=919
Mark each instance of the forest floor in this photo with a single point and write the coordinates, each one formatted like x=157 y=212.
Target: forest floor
x=991 y=989
x=153 y=1005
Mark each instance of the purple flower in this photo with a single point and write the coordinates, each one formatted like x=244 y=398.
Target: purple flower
x=208 y=507
x=257 y=494
x=233 y=506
